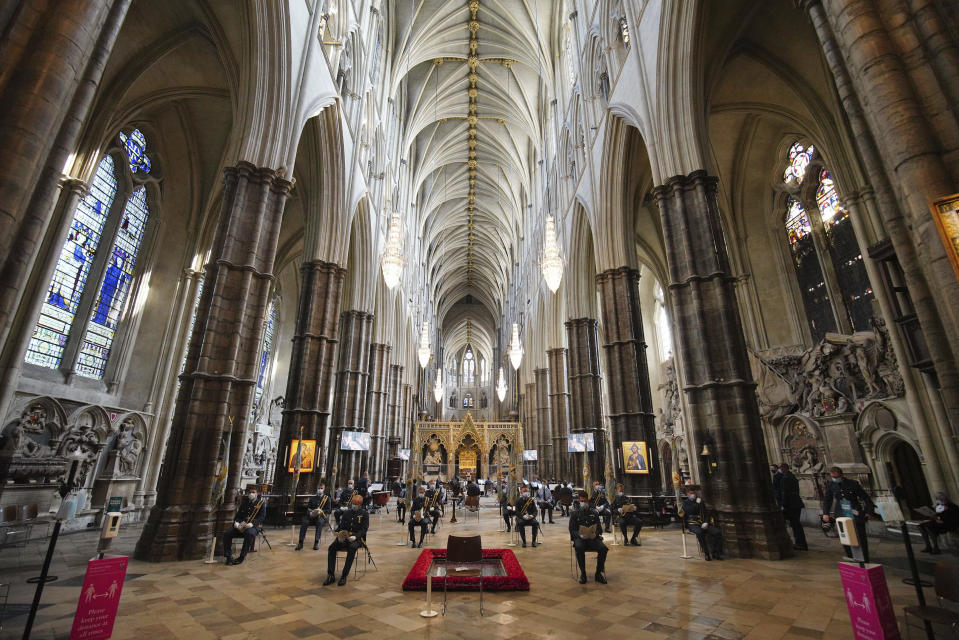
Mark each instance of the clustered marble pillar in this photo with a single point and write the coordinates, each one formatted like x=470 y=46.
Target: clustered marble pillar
x=630 y=400
x=558 y=408
x=311 y=369
x=394 y=400
x=541 y=406
x=349 y=398
x=531 y=426
x=376 y=406
x=585 y=402
x=221 y=366
x=720 y=392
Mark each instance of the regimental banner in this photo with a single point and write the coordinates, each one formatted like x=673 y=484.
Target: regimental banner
x=867 y=597
x=945 y=211
x=99 y=598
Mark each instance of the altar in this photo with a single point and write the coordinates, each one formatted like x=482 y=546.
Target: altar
x=466 y=449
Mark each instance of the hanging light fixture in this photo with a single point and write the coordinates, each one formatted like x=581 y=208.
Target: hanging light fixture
x=501 y=387
x=552 y=264
x=424 y=351
x=438 y=390
x=393 y=259
x=515 y=348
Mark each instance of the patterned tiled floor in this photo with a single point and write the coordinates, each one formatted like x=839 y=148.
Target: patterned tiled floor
x=652 y=592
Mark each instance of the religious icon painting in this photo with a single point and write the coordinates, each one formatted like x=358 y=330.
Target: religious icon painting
x=635 y=457
x=307 y=456
x=945 y=211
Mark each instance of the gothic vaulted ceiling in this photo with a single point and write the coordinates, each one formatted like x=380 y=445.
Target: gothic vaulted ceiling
x=473 y=123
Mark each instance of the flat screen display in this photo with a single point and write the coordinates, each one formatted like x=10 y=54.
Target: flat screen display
x=354 y=441
x=580 y=443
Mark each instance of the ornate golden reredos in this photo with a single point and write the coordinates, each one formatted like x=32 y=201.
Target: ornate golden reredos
x=469 y=428
x=442 y=438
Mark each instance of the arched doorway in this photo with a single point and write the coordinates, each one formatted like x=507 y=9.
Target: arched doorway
x=905 y=470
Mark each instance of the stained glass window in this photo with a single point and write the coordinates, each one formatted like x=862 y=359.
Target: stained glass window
x=115 y=287
x=265 y=353
x=63 y=295
x=799 y=158
x=664 y=336
x=797 y=222
x=135 y=145
x=469 y=368
x=570 y=67
x=624 y=31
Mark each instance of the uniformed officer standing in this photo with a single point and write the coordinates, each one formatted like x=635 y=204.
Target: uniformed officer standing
x=585 y=521
x=354 y=521
x=322 y=506
x=626 y=516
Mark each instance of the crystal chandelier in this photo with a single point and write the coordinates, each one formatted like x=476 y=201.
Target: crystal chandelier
x=552 y=264
x=501 y=387
x=424 y=352
x=393 y=259
x=438 y=390
x=515 y=348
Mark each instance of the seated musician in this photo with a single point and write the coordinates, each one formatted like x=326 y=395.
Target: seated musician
x=696 y=516
x=350 y=536
x=400 y=492
x=564 y=496
x=317 y=514
x=507 y=508
x=601 y=505
x=627 y=514
x=433 y=497
x=246 y=523
x=526 y=512
x=585 y=530
x=345 y=500
x=418 y=517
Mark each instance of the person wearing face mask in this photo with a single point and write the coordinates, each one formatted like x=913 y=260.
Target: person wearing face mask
x=247 y=523
x=433 y=497
x=352 y=528
x=544 y=498
x=601 y=505
x=526 y=514
x=626 y=511
x=418 y=510
x=696 y=516
x=586 y=533
x=846 y=497
x=318 y=511
x=507 y=508
x=947 y=519
x=345 y=500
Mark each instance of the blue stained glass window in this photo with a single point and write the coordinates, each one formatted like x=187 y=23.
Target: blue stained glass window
x=799 y=158
x=135 y=145
x=63 y=295
x=797 y=223
x=115 y=287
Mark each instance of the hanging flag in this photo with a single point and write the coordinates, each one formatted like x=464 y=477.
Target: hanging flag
x=222 y=467
x=297 y=465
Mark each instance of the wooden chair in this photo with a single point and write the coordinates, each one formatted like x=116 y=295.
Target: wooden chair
x=472 y=506
x=946 y=584
x=463 y=549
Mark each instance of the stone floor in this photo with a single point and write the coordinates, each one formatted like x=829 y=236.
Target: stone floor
x=652 y=592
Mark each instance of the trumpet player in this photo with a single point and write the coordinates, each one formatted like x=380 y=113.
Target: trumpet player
x=626 y=512
x=249 y=518
x=317 y=514
x=418 y=517
x=350 y=536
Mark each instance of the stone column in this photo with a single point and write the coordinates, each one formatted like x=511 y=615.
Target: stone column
x=585 y=400
x=559 y=407
x=349 y=397
x=541 y=408
x=531 y=427
x=627 y=373
x=406 y=420
x=392 y=407
x=29 y=205
x=379 y=371
x=311 y=370
x=221 y=368
x=720 y=392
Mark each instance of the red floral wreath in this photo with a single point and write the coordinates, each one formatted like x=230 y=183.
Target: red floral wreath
x=514 y=580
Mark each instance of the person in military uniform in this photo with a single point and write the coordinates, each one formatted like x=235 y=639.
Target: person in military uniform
x=247 y=523
x=418 y=508
x=792 y=505
x=400 y=492
x=363 y=488
x=544 y=498
x=584 y=521
x=626 y=516
x=846 y=497
x=526 y=514
x=433 y=497
x=601 y=505
x=355 y=522
x=696 y=516
x=322 y=506
x=507 y=509
x=345 y=499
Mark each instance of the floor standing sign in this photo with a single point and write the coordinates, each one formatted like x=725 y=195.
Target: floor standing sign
x=99 y=598
x=867 y=597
